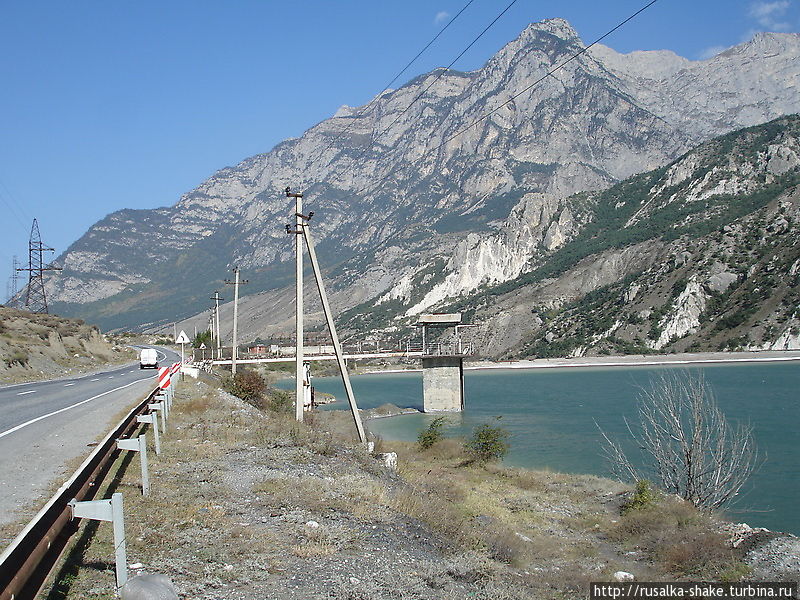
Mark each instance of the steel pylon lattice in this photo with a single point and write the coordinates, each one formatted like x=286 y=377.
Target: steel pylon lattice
x=35 y=297
x=13 y=283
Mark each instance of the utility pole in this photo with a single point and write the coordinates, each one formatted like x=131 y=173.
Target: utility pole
x=216 y=300
x=211 y=329
x=337 y=347
x=298 y=248
x=302 y=228
x=35 y=299
x=235 y=283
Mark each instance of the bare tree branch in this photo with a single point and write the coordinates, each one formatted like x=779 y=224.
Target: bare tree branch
x=686 y=444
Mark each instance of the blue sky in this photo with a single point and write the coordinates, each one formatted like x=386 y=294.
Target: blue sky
x=109 y=105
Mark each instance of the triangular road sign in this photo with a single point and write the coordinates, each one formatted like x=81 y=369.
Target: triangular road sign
x=182 y=338
x=202 y=346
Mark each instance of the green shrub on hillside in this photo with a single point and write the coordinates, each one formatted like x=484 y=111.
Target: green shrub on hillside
x=488 y=443
x=431 y=434
x=247 y=385
x=643 y=497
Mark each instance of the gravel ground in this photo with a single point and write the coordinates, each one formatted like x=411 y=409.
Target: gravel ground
x=249 y=505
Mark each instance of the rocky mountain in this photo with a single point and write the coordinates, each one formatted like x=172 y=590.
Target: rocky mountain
x=701 y=254
x=415 y=210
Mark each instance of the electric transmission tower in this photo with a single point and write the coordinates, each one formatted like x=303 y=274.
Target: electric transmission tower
x=35 y=298
x=13 y=282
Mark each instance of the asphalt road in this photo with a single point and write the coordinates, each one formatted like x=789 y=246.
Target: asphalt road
x=47 y=428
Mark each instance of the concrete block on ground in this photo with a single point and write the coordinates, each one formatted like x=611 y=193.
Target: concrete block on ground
x=389 y=460
x=193 y=372
x=149 y=587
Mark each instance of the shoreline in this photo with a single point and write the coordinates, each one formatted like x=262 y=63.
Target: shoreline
x=629 y=360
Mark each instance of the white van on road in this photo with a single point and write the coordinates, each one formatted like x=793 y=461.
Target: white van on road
x=148 y=359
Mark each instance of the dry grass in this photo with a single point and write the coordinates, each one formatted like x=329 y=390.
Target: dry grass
x=505 y=533
x=681 y=540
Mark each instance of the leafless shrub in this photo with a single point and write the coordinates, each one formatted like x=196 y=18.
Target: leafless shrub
x=687 y=445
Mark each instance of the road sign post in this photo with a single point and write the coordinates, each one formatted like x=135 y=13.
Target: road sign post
x=182 y=339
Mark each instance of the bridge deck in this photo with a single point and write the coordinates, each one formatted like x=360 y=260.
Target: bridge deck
x=244 y=361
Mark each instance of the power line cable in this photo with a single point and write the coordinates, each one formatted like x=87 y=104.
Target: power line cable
x=436 y=79
x=518 y=94
x=546 y=75
x=13 y=206
x=395 y=78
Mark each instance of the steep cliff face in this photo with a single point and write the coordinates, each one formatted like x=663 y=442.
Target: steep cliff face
x=703 y=254
x=414 y=209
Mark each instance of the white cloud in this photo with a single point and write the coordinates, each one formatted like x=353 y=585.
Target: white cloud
x=770 y=15
x=440 y=16
x=712 y=52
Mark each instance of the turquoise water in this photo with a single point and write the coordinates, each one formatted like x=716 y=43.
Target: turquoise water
x=551 y=414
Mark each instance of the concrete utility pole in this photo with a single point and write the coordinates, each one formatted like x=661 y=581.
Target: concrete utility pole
x=337 y=347
x=298 y=247
x=216 y=300
x=211 y=329
x=235 y=283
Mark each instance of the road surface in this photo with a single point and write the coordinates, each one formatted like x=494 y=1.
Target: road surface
x=48 y=427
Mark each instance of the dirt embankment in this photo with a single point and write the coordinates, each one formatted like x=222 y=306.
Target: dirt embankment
x=39 y=346
x=247 y=503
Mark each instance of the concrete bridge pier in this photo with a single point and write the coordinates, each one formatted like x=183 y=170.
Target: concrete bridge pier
x=442 y=383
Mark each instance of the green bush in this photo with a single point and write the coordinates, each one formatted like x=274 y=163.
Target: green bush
x=431 y=434
x=202 y=337
x=488 y=443
x=247 y=385
x=643 y=497
x=280 y=401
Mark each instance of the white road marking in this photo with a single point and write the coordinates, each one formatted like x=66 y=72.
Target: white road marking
x=32 y=421
x=68 y=384
x=29 y=392
x=97 y=379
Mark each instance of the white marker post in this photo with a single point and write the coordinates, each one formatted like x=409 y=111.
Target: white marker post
x=138 y=444
x=182 y=339
x=152 y=418
x=107 y=510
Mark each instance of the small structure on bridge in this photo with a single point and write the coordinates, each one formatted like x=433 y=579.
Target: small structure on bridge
x=442 y=364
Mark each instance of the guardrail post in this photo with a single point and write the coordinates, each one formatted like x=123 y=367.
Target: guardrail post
x=107 y=510
x=159 y=406
x=139 y=444
x=164 y=399
x=153 y=420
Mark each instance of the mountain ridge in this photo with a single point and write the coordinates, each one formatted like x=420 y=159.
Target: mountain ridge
x=584 y=129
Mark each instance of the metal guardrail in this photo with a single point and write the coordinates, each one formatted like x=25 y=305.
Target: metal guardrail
x=27 y=562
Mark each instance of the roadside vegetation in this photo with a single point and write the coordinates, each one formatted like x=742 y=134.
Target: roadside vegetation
x=246 y=502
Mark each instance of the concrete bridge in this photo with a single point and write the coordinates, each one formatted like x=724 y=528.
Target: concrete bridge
x=442 y=363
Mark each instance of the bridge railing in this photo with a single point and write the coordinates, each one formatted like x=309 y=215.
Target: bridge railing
x=409 y=347
x=449 y=349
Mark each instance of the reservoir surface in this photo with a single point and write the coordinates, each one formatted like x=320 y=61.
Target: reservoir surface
x=553 y=416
